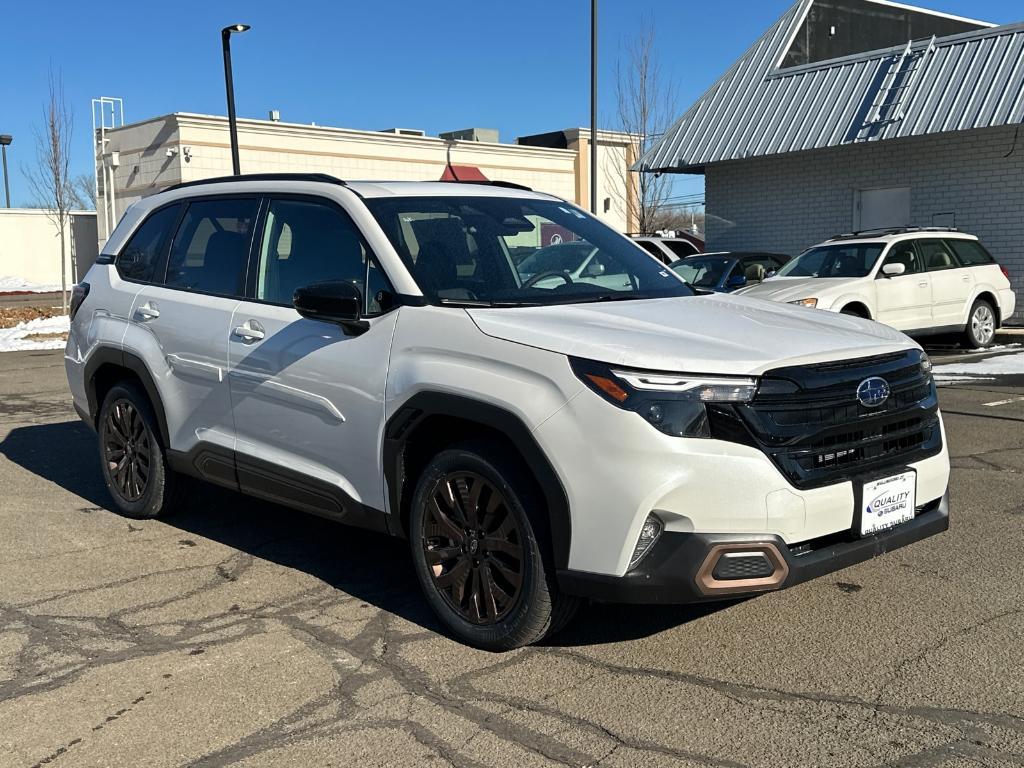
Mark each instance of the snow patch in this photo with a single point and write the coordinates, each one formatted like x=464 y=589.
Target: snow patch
x=13 y=339
x=1004 y=365
x=9 y=284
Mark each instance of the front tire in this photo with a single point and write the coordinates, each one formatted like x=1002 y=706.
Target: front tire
x=473 y=532
x=132 y=458
x=981 y=325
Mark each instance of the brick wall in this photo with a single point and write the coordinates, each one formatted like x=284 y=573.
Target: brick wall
x=789 y=202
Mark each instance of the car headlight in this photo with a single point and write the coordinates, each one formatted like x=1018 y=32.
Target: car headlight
x=673 y=403
x=926 y=364
x=805 y=302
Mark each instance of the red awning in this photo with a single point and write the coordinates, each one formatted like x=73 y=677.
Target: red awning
x=462 y=173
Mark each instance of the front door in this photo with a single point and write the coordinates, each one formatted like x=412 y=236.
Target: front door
x=904 y=301
x=308 y=398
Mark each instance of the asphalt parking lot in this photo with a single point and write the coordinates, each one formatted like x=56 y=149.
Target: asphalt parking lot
x=238 y=633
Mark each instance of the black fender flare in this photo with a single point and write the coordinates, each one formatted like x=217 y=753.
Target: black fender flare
x=402 y=426
x=113 y=356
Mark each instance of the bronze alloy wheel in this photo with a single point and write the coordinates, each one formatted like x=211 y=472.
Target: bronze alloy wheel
x=473 y=547
x=127 y=450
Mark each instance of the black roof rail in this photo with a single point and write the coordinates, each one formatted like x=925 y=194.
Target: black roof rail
x=321 y=177
x=890 y=231
x=505 y=184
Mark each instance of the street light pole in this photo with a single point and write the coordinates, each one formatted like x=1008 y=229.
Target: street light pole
x=593 y=107
x=225 y=40
x=4 y=141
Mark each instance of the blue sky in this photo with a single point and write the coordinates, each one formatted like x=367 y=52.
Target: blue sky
x=520 y=67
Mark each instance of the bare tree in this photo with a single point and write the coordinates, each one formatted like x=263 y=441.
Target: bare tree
x=646 y=107
x=50 y=180
x=83 y=187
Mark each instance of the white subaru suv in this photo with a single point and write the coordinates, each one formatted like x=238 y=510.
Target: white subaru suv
x=369 y=352
x=922 y=281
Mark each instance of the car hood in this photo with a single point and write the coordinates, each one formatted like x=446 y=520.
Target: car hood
x=794 y=288
x=718 y=333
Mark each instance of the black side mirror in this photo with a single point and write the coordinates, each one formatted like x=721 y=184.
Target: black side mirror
x=334 y=301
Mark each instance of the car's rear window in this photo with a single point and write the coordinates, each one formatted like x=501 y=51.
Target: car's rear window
x=970 y=252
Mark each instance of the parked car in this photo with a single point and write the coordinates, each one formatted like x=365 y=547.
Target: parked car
x=367 y=352
x=723 y=271
x=922 y=281
x=669 y=249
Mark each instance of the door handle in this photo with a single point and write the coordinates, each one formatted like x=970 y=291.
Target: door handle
x=148 y=311
x=966 y=278
x=251 y=331
x=923 y=285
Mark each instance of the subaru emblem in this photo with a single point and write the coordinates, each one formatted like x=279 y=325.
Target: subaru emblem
x=873 y=392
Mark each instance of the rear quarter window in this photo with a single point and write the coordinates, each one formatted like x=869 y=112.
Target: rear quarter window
x=970 y=253
x=138 y=259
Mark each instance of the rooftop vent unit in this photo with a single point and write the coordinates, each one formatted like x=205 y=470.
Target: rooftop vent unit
x=404 y=131
x=472 y=134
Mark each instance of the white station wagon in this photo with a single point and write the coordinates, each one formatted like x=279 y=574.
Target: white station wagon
x=921 y=281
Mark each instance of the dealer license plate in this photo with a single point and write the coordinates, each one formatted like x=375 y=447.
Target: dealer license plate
x=888 y=502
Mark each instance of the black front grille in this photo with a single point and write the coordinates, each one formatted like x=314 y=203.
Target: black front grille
x=808 y=420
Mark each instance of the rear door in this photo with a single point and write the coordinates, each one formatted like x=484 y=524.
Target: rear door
x=983 y=268
x=952 y=286
x=308 y=398
x=904 y=301
x=187 y=317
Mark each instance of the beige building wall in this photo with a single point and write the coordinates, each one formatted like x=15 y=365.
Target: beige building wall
x=30 y=246
x=158 y=153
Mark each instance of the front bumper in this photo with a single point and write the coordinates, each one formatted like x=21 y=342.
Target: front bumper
x=678 y=568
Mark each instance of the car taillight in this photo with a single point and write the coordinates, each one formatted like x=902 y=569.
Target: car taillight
x=78 y=294
x=1005 y=271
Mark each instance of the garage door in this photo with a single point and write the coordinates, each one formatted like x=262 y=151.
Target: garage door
x=877 y=208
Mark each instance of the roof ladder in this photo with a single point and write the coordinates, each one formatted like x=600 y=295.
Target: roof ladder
x=888 y=107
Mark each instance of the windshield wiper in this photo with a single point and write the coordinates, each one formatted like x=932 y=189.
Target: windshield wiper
x=466 y=302
x=484 y=303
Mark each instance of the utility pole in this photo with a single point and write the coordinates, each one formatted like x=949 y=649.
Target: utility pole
x=225 y=41
x=593 y=107
x=4 y=141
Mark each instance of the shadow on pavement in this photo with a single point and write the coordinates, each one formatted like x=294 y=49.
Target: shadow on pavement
x=369 y=566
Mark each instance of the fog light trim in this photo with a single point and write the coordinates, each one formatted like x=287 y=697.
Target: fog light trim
x=710 y=585
x=650 y=532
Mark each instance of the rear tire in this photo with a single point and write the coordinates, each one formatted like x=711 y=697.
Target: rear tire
x=132 y=457
x=981 y=325
x=480 y=550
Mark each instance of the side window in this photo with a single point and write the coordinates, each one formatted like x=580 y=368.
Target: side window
x=757 y=267
x=379 y=296
x=654 y=250
x=306 y=242
x=904 y=253
x=211 y=247
x=936 y=255
x=139 y=257
x=681 y=248
x=971 y=253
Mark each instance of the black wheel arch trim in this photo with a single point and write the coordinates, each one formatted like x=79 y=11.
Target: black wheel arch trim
x=134 y=364
x=403 y=424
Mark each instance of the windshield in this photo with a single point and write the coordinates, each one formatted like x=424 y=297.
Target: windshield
x=853 y=260
x=562 y=257
x=703 y=272
x=490 y=251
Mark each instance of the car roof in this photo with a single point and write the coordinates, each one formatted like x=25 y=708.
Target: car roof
x=366 y=189
x=886 y=237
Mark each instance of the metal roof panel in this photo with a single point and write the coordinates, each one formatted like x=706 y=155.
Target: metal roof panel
x=960 y=82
